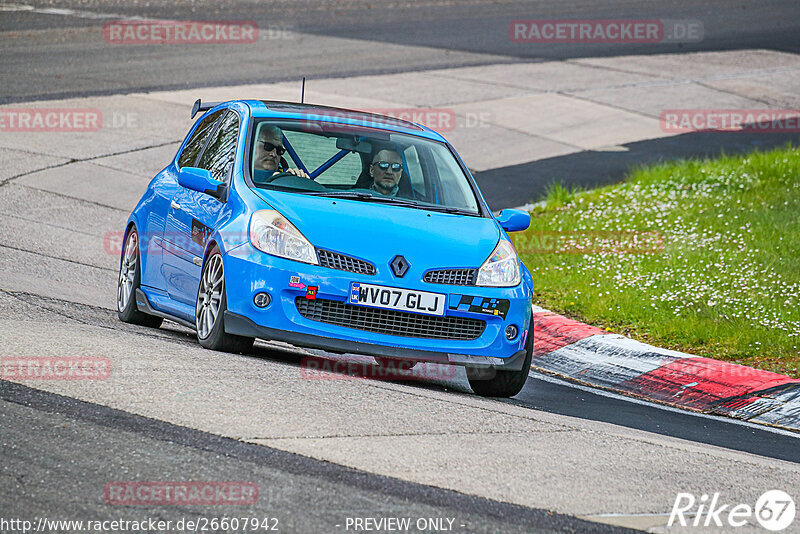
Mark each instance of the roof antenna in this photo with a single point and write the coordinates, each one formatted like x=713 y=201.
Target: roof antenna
x=303 y=90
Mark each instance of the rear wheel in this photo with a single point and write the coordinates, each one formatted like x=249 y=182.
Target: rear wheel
x=130 y=277
x=497 y=383
x=210 y=310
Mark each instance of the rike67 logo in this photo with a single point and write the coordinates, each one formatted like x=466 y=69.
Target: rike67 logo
x=774 y=510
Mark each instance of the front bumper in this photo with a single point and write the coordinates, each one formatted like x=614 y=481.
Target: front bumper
x=242 y=326
x=249 y=271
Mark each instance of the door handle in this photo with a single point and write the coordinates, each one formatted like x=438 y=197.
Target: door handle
x=174 y=205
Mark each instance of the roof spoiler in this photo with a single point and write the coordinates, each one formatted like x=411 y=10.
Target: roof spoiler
x=200 y=106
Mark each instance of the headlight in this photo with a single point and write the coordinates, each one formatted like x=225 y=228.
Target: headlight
x=502 y=267
x=270 y=232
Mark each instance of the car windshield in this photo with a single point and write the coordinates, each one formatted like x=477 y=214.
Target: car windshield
x=364 y=164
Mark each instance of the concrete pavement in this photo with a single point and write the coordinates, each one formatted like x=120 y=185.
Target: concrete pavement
x=497 y=116
x=62 y=193
x=447 y=439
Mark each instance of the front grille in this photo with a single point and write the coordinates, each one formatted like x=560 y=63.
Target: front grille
x=453 y=277
x=391 y=322
x=334 y=260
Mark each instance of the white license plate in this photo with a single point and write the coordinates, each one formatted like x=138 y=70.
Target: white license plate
x=394 y=298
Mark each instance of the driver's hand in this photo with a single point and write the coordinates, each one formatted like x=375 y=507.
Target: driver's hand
x=299 y=172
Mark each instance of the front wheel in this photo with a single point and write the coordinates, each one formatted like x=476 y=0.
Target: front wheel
x=210 y=310
x=497 y=383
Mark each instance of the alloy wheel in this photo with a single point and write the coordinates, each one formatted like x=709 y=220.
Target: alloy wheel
x=209 y=298
x=127 y=271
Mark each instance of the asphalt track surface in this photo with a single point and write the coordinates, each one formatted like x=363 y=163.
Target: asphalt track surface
x=64 y=59
x=90 y=443
x=54 y=446
x=59 y=452
x=49 y=55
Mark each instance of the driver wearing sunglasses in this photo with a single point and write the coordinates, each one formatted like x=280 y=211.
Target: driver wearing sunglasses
x=268 y=154
x=385 y=170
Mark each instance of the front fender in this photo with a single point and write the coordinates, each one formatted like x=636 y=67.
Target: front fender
x=527 y=278
x=229 y=236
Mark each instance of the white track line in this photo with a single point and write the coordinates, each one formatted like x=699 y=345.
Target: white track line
x=605 y=393
x=62 y=12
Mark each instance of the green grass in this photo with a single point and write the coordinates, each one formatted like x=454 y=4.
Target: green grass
x=557 y=195
x=697 y=256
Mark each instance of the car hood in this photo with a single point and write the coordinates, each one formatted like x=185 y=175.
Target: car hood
x=378 y=232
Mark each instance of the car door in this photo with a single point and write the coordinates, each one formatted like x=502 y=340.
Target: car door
x=193 y=216
x=165 y=189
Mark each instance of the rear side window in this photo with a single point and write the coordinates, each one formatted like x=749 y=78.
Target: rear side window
x=218 y=155
x=198 y=139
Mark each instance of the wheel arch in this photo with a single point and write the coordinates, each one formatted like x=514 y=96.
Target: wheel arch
x=132 y=223
x=211 y=245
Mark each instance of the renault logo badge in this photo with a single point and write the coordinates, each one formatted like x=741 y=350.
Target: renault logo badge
x=399 y=266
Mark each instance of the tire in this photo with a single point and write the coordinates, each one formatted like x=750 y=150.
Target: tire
x=210 y=306
x=497 y=383
x=130 y=277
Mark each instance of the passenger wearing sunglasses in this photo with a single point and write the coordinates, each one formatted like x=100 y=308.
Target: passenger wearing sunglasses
x=267 y=159
x=385 y=170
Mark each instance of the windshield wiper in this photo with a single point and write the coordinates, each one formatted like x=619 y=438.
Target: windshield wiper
x=343 y=194
x=367 y=197
x=448 y=209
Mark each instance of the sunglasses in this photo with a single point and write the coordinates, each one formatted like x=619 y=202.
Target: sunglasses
x=269 y=147
x=384 y=165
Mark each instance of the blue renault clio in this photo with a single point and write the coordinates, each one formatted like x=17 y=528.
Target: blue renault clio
x=331 y=229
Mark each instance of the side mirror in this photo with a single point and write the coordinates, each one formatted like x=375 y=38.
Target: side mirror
x=514 y=220
x=200 y=180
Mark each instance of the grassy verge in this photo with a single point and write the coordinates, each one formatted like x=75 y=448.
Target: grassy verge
x=697 y=256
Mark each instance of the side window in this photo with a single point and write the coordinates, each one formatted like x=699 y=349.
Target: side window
x=219 y=154
x=195 y=144
x=455 y=190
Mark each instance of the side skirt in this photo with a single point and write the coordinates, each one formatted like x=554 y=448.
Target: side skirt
x=144 y=306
